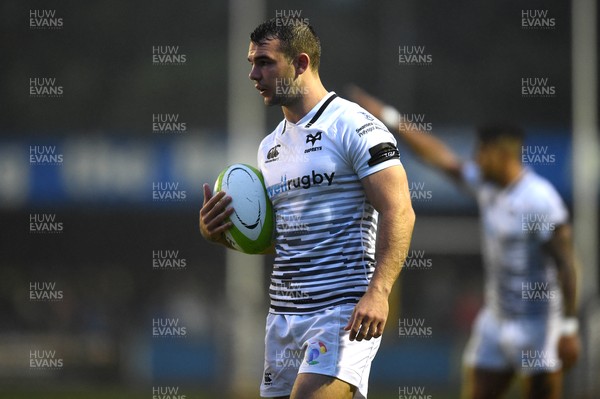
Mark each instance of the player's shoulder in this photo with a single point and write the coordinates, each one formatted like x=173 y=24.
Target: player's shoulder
x=537 y=189
x=352 y=113
x=348 y=118
x=538 y=185
x=268 y=139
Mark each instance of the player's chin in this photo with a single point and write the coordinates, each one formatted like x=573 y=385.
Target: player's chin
x=270 y=100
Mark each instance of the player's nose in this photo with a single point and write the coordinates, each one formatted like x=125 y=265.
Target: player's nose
x=254 y=73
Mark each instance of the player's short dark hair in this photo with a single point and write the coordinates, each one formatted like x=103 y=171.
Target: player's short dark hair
x=295 y=36
x=490 y=133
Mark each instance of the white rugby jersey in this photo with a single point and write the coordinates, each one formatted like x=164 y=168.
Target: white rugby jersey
x=521 y=279
x=325 y=227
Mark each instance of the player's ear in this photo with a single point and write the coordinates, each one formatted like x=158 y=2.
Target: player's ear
x=301 y=63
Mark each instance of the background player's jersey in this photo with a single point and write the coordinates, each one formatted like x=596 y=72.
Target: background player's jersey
x=325 y=227
x=521 y=278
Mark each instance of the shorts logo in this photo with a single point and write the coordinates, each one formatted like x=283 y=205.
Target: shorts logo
x=314 y=350
x=267 y=380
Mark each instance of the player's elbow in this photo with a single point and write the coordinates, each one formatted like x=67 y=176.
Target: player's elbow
x=408 y=216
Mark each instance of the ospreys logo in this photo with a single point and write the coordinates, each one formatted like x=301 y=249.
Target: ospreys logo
x=312 y=139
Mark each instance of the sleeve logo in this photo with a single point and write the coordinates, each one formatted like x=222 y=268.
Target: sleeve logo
x=383 y=152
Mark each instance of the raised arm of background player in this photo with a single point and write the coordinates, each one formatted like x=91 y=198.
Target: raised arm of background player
x=437 y=154
x=428 y=148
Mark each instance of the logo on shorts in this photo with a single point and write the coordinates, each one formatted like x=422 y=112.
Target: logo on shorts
x=314 y=350
x=267 y=380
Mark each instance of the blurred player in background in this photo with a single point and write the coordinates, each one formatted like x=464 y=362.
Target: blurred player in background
x=528 y=324
x=343 y=222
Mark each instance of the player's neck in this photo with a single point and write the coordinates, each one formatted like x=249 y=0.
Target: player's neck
x=296 y=111
x=514 y=171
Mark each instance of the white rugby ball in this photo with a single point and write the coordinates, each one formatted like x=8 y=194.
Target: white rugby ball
x=252 y=219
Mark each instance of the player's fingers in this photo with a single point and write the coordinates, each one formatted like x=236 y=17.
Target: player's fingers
x=216 y=205
x=377 y=329
x=363 y=332
x=219 y=220
x=207 y=193
x=353 y=326
x=363 y=326
x=211 y=201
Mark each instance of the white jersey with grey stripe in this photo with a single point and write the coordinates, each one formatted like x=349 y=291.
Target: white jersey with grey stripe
x=325 y=226
x=521 y=278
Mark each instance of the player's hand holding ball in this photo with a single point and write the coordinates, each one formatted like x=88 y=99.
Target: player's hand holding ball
x=214 y=215
x=239 y=215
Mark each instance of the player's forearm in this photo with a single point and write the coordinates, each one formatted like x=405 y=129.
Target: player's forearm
x=561 y=249
x=428 y=147
x=393 y=241
x=431 y=150
x=569 y=290
x=568 y=282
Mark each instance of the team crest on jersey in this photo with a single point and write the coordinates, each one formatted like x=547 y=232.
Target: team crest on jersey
x=312 y=139
x=273 y=153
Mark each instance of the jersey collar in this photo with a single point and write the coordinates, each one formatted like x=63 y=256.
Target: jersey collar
x=313 y=115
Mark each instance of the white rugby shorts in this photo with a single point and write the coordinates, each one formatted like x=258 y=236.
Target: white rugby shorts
x=315 y=343
x=524 y=345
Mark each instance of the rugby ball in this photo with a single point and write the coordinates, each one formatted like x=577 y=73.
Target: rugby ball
x=252 y=218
